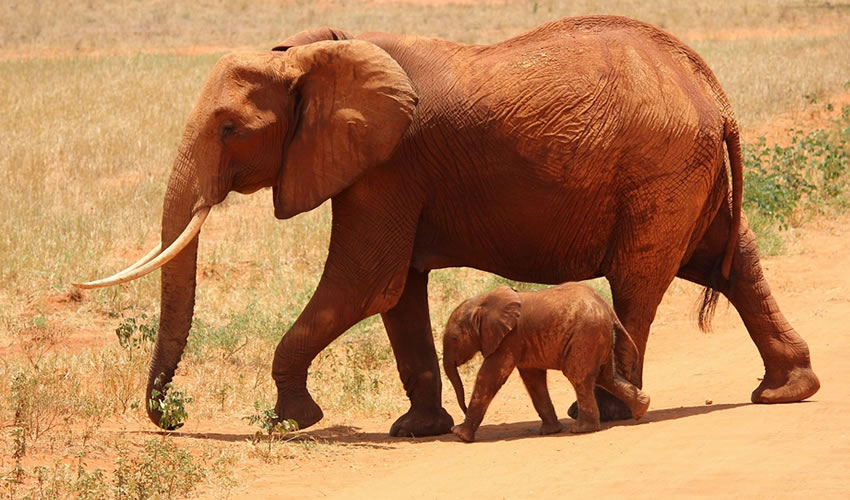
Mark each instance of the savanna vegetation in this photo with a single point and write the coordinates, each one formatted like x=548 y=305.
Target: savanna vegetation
x=93 y=97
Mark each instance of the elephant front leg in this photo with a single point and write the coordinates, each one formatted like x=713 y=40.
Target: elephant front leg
x=365 y=273
x=408 y=326
x=491 y=377
x=535 y=384
x=329 y=313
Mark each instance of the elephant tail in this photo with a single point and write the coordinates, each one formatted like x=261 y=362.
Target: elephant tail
x=626 y=355
x=733 y=146
x=711 y=294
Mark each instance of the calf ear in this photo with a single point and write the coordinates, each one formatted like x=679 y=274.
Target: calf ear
x=499 y=315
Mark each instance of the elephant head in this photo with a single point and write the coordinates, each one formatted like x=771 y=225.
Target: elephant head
x=306 y=121
x=478 y=324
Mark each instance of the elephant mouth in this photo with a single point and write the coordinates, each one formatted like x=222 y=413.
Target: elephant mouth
x=154 y=259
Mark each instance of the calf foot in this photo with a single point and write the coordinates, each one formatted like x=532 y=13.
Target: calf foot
x=550 y=428
x=582 y=426
x=420 y=423
x=464 y=432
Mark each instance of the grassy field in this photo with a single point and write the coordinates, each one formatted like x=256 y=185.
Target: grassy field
x=94 y=96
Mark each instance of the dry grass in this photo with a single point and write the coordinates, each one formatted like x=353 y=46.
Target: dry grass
x=109 y=25
x=88 y=141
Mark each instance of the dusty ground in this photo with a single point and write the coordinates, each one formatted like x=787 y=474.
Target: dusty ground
x=701 y=437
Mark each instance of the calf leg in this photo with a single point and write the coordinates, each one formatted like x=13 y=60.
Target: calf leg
x=535 y=384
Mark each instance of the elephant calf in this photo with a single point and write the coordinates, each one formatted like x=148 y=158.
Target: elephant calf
x=567 y=327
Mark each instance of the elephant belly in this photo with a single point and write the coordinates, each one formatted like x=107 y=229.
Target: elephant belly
x=553 y=240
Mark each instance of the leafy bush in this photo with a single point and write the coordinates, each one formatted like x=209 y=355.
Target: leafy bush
x=159 y=470
x=162 y=471
x=779 y=181
x=123 y=370
x=137 y=332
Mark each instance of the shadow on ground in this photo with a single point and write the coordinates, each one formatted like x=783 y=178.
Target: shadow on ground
x=353 y=436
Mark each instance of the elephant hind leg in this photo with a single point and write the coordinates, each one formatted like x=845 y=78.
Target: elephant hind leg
x=638 y=283
x=535 y=384
x=788 y=370
x=586 y=358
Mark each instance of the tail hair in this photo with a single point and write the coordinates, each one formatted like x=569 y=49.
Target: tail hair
x=710 y=297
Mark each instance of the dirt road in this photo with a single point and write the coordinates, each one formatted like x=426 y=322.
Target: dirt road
x=701 y=437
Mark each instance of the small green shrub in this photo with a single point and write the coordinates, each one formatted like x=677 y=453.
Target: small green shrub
x=776 y=178
x=172 y=406
x=162 y=471
x=137 y=332
x=271 y=429
x=123 y=370
x=59 y=481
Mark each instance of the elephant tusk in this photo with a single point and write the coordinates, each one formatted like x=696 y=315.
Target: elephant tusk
x=146 y=265
x=144 y=260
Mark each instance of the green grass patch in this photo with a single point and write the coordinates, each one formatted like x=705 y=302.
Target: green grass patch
x=784 y=184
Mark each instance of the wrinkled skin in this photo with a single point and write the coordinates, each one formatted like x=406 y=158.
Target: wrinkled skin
x=586 y=147
x=568 y=328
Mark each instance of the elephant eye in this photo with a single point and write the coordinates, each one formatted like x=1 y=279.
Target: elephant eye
x=228 y=128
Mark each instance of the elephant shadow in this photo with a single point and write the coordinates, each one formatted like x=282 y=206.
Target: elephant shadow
x=529 y=429
x=349 y=435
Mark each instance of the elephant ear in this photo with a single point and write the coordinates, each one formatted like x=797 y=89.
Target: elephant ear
x=312 y=35
x=499 y=315
x=354 y=103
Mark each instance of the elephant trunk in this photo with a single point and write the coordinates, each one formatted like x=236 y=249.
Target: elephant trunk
x=450 y=366
x=182 y=203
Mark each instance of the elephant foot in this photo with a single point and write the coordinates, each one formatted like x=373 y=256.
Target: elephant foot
x=300 y=408
x=610 y=408
x=583 y=426
x=463 y=432
x=797 y=384
x=420 y=423
x=550 y=428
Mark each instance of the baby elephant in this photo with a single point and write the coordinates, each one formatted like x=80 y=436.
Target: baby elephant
x=567 y=327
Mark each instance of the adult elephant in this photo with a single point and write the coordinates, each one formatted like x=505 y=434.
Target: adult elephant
x=589 y=146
